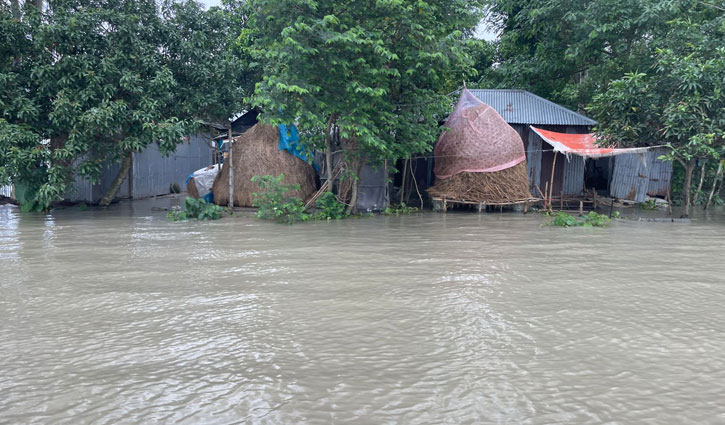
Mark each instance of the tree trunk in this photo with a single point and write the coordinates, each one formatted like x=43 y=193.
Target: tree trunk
x=328 y=152
x=689 y=167
x=696 y=199
x=122 y=173
x=352 y=207
x=402 y=183
x=715 y=182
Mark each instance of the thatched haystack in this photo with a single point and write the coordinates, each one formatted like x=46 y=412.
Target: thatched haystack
x=479 y=157
x=500 y=187
x=256 y=153
x=191 y=189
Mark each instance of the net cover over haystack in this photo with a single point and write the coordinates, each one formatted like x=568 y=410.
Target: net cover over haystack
x=479 y=157
x=256 y=153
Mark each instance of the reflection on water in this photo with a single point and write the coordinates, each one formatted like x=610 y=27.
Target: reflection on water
x=121 y=316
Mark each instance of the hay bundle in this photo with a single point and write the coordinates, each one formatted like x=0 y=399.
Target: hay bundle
x=191 y=189
x=508 y=185
x=256 y=153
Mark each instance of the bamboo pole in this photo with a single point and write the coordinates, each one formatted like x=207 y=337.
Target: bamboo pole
x=551 y=181
x=231 y=169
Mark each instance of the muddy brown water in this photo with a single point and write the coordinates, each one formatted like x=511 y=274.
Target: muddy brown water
x=120 y=316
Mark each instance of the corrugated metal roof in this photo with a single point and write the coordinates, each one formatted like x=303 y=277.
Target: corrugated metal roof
x=522 y=107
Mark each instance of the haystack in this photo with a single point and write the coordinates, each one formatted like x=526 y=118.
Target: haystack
x=256 y=153
x=479 y=157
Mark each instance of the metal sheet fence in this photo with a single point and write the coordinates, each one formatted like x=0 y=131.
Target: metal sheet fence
x=152 y=174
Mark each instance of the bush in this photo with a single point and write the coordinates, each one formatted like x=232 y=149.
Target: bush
x=198 y=209
x=330 y=207
x=591 y=219
x=399 y=209
x=272 y=202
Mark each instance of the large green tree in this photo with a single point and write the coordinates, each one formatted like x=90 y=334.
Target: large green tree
x=569 y=50
x=376 y=71
x=89 y=82
x=678 y=101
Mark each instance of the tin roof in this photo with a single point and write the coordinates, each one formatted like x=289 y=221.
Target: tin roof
x=522 y=107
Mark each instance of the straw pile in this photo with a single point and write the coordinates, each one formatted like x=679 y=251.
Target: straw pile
x=508 y=185
x=191 y=189
x=256 y=153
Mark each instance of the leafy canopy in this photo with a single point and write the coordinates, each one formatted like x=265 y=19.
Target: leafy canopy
x=378 y=70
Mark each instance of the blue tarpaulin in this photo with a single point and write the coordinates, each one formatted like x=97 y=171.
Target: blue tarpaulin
x=289 y=140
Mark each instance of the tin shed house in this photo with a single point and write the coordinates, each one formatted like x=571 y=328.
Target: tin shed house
x=630 y=176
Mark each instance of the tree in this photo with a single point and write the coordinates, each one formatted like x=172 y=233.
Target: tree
x=679 y=101
x=569 y=50
x=377 y=72
x=91 y=82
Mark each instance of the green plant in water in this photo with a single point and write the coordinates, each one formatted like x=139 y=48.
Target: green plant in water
x=273 y=203
x=590 y=219
x=196 y=208
x=399 y=209
x=330 y=207
x=649 y=205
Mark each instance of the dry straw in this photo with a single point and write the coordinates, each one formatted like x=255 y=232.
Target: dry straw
x=508 y=185
x=256 y=153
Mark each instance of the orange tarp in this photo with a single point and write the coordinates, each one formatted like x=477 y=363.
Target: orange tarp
x=580 y=144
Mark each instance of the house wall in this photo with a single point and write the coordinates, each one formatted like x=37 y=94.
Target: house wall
x=151 y=173
x=634 y=176
x=568 y=173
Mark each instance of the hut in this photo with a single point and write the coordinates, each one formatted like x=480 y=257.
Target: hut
x=621 y=176
x=630 y=175
x=479 y=158
x=258 y=152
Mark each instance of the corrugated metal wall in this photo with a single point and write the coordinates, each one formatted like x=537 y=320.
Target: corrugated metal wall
x=6 y=191
x=569 y=172
x=573 y=174
x=630 y=177
x=151 y=173
x=660 y=173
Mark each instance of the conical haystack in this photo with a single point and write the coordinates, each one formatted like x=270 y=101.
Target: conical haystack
x=479 y=157
x=256 y=153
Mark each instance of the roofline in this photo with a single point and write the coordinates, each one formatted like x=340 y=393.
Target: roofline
x=555 y=105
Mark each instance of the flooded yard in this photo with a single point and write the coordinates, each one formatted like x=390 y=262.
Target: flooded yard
x=121 y=316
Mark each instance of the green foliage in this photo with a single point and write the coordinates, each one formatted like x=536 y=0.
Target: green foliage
x=198 y=209
x=273 y=203
x=648 y=205
x=84 y=83
x=331 y=208
x=590 y=219
x=376 y=71
x=401 y=209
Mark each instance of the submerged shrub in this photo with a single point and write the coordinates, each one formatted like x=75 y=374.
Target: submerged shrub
x=196 y=208
x=272 y=202
x=399 y=209
x=330 y=207
x=590 y=219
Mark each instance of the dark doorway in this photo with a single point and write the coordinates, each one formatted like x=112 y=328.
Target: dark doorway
x=596 y=174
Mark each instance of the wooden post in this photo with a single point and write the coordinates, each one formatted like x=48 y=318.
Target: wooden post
x=231 y=169
x=445 y=205
x=581 y=207
x=551 y=181
x=595 y=198
x=480 y=207
x=561 y=201
x=546 y=195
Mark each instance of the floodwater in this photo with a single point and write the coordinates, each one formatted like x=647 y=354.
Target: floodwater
x=119 y=316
